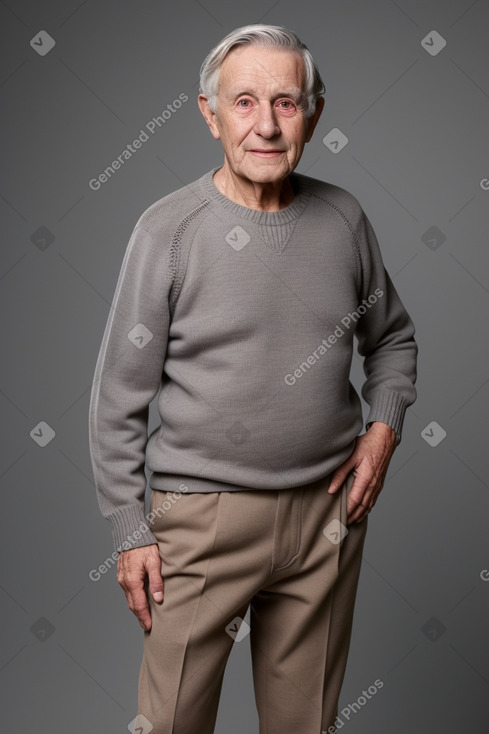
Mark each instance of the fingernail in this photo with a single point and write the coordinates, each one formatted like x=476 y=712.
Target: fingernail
x=158 y=596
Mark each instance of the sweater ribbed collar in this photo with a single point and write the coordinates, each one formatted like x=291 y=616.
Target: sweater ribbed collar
x=284 y=216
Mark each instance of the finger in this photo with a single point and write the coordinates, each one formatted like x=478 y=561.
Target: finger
x=139 y=606
x=156 y=584
x=363 y=508
x=358 y=494
x=339 y=478
x=358 y=514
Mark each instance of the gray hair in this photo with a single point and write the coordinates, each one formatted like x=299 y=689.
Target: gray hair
x=258 y=34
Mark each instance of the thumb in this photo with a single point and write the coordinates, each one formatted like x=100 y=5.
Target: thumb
x=156 y=585
x=339 y=477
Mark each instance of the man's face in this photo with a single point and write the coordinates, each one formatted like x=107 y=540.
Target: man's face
x=259 y=118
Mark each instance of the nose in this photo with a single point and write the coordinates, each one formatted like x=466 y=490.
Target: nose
x=266 y=121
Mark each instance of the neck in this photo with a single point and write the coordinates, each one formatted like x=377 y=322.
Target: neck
x=269 y=196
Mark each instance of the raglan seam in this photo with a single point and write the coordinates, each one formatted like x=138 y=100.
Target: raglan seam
x=354 y=239
x=176 y=252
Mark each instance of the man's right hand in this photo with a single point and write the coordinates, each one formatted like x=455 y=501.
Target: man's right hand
x=132 y=568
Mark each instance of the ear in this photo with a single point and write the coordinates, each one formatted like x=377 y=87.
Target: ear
x=209 y=116
x=313 y=120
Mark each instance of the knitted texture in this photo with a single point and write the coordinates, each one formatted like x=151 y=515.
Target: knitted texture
x=243 y=322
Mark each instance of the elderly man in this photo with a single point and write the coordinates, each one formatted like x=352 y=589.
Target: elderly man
x=238 y=298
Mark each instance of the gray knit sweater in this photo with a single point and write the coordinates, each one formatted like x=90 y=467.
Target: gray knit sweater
x=245 y=320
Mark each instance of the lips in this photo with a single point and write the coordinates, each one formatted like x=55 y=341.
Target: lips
x=266 y=153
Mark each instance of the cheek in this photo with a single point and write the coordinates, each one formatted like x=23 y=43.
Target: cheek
x=238 y=132
x=296 y=133
x=295 y=139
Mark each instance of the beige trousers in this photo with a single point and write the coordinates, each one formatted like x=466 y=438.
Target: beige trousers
x=283 y=553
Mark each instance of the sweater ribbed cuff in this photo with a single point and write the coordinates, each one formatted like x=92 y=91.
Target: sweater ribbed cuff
x=130 y=528
x=389 y=407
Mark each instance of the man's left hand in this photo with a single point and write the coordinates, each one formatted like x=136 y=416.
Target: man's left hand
x=369 y=463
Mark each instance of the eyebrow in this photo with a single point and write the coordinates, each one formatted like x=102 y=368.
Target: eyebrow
x=293 y=93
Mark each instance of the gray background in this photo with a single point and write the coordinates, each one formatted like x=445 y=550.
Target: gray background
x=416 y=157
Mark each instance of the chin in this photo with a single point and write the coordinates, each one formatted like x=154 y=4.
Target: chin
x=266 y=173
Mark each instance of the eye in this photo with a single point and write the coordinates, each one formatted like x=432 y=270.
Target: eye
x=287 y=106
x=244 y=103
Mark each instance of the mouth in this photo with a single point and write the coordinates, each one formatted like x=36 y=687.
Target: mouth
x=266 y=153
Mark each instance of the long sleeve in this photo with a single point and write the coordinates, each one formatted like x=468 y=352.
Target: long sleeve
x=232 y=329
x=385 y=334
x=127 y=377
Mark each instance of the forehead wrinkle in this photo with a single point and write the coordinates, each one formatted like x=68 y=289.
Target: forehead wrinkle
x=250 y=72
x=247 y=77
x=259 y=87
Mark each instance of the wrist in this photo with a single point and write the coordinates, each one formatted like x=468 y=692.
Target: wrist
x=383 y=427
